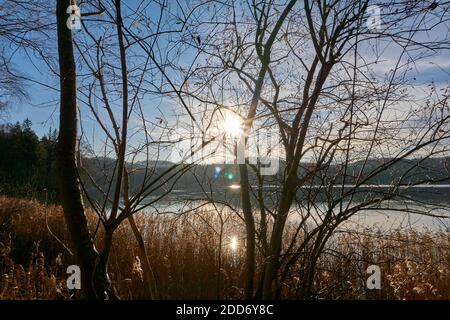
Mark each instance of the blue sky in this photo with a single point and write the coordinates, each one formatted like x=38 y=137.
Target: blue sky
x=42 y=105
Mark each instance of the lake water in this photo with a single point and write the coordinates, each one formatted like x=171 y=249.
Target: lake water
x=395 y=214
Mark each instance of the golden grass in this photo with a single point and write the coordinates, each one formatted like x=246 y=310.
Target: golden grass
x=184 y=254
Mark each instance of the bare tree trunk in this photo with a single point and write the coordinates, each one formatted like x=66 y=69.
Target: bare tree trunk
x=123 y=139
x=271 y=267
x=149 y=277
x=290 y=187
x=94 y=284
x=250 y=232
x=264 y=51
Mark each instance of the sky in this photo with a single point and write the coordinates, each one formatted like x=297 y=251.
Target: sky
x=41 y=106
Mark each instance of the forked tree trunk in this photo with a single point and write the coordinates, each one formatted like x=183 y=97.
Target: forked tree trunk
x=271 y=267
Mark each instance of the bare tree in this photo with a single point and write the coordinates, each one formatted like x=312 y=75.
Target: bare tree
x=23 y=26
x=308 y=69
x=354 y=135
x=124 y=176
x=93 y=264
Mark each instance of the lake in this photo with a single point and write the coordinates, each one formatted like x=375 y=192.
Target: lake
x=394 y=214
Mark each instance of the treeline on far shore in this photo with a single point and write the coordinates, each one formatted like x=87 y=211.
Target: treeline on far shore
x=28 y=163
x=28 y=170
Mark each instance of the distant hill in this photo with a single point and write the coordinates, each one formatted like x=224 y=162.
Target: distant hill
x=208 y=177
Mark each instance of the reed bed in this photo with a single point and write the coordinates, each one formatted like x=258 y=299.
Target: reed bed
x=192 y=257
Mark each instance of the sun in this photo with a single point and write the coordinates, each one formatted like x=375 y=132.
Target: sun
x=233 y=243
x=232 y=124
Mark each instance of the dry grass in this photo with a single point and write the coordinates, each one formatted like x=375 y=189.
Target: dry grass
x=414 y=265
x=184 y=253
